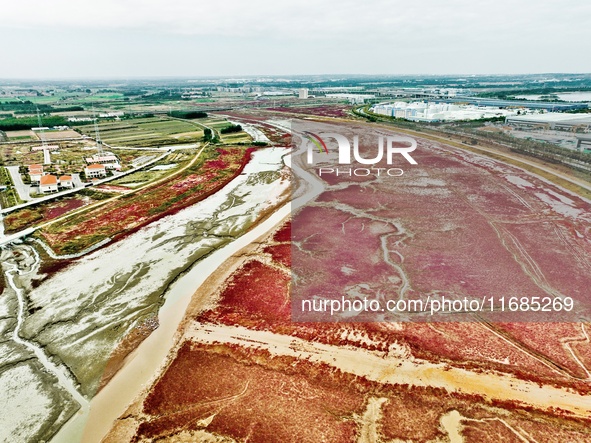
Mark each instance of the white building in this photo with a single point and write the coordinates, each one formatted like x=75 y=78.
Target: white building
x=109 y=160
x=112 y=114
x=48 y=147
x=35 y=173
x=95 y=171
x=80 y=119
x=436 y=111
x=353 y=98
x=48 y=183
x=303 y=93
x=65 y=181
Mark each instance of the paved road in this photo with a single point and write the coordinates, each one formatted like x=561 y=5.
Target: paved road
x=76 y=181
x=6 y=239
x=21 y=188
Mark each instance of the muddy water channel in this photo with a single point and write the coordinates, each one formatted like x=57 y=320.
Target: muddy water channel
x=60 y=330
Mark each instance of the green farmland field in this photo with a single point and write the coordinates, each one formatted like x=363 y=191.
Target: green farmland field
x=153 y=131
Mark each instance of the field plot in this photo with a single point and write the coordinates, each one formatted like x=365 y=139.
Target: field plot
x=215 y=123
x=108 y=97
x=59 y=135
x=59 y=97
x=23 y=135
x=154 y=131
x=169 y=165
x=43 y=212
x=238 y=137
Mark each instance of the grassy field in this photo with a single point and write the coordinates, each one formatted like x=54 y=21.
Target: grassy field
x=217 y=123
x=8 y=197
x=21 y=135
x=178 y=158
x=152 y=131
x=100 y=97
x=57 y=135
x=236 y=137
x=58 y=98
x=139 y=178
x=69 y=98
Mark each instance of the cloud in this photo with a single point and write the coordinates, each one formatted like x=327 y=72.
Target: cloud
x=307 y=19
x=157 y=37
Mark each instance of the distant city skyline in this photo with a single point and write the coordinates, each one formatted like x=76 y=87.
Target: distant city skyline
x=134 y=38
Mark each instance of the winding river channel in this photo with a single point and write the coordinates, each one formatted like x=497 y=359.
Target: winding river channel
x=149 y=357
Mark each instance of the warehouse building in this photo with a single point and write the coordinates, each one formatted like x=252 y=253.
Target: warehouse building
x=552 y=120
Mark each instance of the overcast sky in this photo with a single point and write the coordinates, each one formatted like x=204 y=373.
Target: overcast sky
x=145 y=38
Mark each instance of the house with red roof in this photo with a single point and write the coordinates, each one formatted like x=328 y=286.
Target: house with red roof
x=35 y=173
x=65 y=181
x=95 y=171
x=48 y=183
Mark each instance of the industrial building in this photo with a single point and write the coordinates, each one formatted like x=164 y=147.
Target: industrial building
x=437 y=111
x=355 y=99
x=552 y=120
x=584 y=143
x=548 y=106
x=108 y=159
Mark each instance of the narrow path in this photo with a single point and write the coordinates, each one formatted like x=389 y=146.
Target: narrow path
x=21 y=188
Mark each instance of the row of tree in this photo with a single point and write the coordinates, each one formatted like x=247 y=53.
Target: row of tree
x=231 y=129
x=28 y=107
x=19 y=124
x=188 y=114
x=210 y=136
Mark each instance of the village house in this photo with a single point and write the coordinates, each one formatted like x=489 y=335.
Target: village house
x=95 y=171
x=48 y=183
x=35 y=173
x=65 y=181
